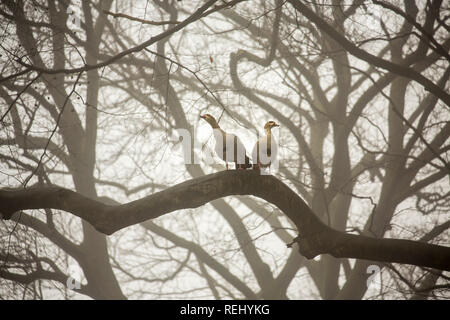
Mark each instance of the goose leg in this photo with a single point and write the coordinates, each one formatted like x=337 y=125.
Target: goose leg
x=226 y=164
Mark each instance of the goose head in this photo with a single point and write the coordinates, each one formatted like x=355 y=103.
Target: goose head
x=270 y=124
x=210 y=119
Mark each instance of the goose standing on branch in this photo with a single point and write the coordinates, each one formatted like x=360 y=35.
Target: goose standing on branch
x=265 y=149
x=228 y=146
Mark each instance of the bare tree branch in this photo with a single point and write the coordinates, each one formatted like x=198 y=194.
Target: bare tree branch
x=144 y=21
x=315 y=237
x=363 y=55
x=194 y=17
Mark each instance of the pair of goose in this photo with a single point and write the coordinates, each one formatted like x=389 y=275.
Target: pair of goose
x=230 y=148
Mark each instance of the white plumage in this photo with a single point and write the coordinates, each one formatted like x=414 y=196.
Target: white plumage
x=228 y=146
x=265 y=149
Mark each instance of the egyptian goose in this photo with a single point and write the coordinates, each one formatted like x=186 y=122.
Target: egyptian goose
x=265 y=148
x=228 y=146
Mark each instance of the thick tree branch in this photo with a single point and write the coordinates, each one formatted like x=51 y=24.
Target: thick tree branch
x=315 y=237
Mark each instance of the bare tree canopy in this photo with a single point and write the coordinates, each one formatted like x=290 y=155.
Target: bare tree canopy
x=111 y=186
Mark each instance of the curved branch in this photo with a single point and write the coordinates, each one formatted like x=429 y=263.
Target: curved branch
x=369 y=58
x=203 y=257
x=428 y=37
x=194 y=17
x=315 y=237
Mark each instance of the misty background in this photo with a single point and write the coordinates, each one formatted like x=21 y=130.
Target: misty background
x=365 y=147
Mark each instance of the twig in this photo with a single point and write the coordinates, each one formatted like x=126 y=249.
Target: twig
x=18 y=96
x=54 y=130
x=155 y=23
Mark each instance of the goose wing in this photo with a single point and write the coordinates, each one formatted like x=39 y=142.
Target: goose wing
x=240 y=154
x=229 y=147
x=264 y=151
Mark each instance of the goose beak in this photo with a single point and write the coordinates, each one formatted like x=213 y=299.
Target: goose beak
x=202 y=116
x=276 y=125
